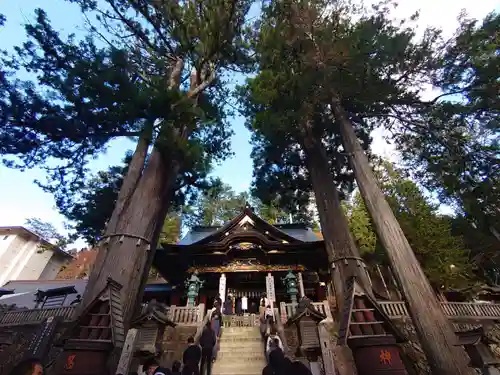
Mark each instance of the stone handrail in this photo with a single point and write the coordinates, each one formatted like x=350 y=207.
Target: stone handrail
x=33 y=316
x=453 y=310
x=186 y=315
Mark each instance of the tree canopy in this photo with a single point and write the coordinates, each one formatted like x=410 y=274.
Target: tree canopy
x=453 y=146
x=85 y=95
x=297 y=70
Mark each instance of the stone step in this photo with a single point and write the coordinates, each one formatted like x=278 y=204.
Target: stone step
x=240 y=346
x=255 y=354
x=241 y=334
x=237 y=343
x=241 y=352
x=239 y=367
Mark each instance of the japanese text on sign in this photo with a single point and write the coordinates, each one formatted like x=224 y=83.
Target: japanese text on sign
x=385 y=357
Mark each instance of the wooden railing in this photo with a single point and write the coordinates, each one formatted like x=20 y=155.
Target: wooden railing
x=289 y=309
x=16 y=317
x=182 y=315
x=453 y=310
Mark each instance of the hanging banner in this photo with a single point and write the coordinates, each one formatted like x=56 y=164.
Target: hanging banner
x=222 y=287
x=270 y=288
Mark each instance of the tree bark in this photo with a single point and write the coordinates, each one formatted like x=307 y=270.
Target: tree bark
x=130 y=181
x=433 y=328
x=339 y=243
x=128 y=187
x=131 y=248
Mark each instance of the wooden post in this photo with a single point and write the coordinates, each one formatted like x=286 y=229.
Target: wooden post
x=127 y=352
x=301 y=284
x=433 y=328
x=383 y=282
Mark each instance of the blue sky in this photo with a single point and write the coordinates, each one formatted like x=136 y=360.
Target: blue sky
x=20 y=198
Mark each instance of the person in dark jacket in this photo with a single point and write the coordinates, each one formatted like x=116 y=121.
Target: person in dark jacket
x=176 y=368
x=207 y=343
x=152 y=367
x=218 y=300
x=191 y=357
x=278 y=364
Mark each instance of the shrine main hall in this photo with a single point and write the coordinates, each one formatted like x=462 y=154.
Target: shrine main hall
x=243 y=259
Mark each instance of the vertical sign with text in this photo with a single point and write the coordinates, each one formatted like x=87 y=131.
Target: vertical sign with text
x=222 y=287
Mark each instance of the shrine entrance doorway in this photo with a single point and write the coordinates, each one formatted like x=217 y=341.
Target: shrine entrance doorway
x=244 y=290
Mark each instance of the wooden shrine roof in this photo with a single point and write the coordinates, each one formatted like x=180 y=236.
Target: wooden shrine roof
x=247 y=236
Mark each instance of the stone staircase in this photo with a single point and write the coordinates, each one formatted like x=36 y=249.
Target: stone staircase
x=241 y=352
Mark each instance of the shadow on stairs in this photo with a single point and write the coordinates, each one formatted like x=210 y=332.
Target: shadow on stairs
x=241 y=352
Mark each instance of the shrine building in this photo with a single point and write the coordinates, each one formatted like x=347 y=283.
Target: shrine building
x=246 y=257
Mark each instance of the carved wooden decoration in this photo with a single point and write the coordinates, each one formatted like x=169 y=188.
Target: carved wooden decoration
x=306 y=320
x=147 y=336
x=309 y=333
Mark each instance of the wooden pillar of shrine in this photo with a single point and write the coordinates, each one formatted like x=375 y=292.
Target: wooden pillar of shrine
x=175 y=299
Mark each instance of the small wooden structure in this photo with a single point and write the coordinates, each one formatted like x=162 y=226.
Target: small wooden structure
x=91 y=339
x=370 y=333
x=151 y=326
x=476 y=343
x=306 y=319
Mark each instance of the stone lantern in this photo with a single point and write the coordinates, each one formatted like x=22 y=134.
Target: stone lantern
x=193 y=286
x=290 y=282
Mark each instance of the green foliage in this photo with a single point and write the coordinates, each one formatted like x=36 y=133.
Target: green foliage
x=442 y=254
x=48 y=232
x=308 y=51
x=171 y=230
x=452 y=143
x=272 y=213
x=360 y=225
x=91 y=208
x=84 y=96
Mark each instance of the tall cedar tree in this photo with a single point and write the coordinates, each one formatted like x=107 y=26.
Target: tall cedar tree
x=454 y=146
x=322 y=74
x=442 y=254
x=155 y=81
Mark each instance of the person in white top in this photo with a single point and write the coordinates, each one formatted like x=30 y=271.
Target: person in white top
x=244 y=304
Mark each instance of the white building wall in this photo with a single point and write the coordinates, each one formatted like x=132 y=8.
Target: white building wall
x=18 y=250
x=23 y=260
x=33 y=265
x=52 y=267
x=5 y=241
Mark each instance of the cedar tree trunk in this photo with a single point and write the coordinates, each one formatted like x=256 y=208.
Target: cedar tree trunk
x=129 y=184
x=434 y=330
x=338 y=240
